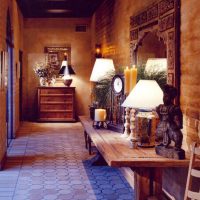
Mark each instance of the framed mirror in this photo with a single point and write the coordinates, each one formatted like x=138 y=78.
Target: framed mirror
x=55 y=55
x=154 y=33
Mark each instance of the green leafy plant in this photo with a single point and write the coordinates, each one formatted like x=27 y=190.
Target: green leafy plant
x=102 y=90
x=159 y=76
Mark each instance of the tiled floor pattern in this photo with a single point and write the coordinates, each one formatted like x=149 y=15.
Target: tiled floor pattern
x=48 y=161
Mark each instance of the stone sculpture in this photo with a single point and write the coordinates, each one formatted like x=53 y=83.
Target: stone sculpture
x=169 y=126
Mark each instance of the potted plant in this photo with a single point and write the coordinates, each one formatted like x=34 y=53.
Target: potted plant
x=159 y=76
x=101 y=94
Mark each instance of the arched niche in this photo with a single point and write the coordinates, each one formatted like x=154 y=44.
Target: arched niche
x=159 y=20
x=150 y=46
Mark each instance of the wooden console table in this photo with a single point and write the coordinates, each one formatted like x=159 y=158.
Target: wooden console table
x=147 y=165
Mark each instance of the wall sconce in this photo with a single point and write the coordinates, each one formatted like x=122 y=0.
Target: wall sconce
x=98 y=53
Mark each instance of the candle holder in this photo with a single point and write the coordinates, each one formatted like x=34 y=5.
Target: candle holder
x=100 y=118
x=99 y=124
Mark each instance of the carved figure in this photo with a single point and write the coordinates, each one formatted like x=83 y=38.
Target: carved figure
x=171 y=120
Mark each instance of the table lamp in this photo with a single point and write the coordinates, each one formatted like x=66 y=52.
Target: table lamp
x=145 y=96
x=102 y=67
x=66 y=71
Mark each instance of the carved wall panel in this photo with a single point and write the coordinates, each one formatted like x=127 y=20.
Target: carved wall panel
x=162 y=18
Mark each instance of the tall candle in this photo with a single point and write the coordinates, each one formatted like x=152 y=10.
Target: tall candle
x=100 y=115
x=133 y=77
x=127 y=80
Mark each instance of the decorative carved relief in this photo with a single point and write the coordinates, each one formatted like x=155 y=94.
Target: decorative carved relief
x=161 y=18
x=166 y=23
x=171 y=50
x=152 y=13
x=134 y=34
x=165 y=6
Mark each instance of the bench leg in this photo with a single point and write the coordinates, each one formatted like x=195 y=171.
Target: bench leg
x=148 y=183
x=99 y=160
x=89 y=144
x=86 y=139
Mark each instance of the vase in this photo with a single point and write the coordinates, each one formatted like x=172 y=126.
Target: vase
x=51 y=81
x=43 y=81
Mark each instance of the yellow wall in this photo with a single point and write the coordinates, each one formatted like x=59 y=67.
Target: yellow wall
x=17 y=26
x=39 y=33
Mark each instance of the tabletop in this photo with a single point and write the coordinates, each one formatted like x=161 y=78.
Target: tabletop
x=117 y=153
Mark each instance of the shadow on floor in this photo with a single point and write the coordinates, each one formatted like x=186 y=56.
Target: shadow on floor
x=107 y=182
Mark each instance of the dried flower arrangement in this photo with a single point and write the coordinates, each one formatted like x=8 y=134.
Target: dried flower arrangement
x=45 y=72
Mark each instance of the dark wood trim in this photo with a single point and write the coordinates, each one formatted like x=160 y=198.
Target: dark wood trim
x=21 y=86
x=3 y=161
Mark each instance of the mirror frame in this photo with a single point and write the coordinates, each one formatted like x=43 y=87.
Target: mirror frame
x=55 y=55
x=162 y=18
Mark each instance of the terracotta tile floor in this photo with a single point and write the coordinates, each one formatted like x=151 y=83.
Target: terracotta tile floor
x=48 y=161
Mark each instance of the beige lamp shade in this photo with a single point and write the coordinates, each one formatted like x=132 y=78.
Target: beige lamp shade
x=102 y=67
x=146 y=95
x=156 y=65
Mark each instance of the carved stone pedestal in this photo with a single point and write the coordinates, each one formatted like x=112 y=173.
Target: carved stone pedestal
x=170 y=152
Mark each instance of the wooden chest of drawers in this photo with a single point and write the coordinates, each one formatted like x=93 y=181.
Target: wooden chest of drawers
x=56 y=104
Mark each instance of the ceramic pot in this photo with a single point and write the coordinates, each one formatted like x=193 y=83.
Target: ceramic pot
x=43 y=81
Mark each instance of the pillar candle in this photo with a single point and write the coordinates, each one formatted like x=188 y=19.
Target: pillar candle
x=100 y=115
x=133 y=77
x=127 y=80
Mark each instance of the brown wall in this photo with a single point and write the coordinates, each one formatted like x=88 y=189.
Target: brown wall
x=17 y=27
x=112 y=32
x=39 y=33
x=190 y=68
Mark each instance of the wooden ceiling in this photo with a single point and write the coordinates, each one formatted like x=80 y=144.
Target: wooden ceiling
x=58 y=8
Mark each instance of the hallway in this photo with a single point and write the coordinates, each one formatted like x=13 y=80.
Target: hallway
x=48 y=161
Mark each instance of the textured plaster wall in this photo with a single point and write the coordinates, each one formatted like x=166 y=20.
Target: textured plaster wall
x=190 y=89
x=112 y=28
x=190 y=68
x=111 y=24
x=39 y=33
x=17 y=27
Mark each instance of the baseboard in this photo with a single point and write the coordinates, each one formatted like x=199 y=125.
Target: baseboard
x=3 y=161
x=128 y=173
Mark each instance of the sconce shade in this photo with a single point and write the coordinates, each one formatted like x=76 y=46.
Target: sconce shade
x=102 y=67
x=146 y=95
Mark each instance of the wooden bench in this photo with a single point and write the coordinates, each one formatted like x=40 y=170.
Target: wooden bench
x=147 y=165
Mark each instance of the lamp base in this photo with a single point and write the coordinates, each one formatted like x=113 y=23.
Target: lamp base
x=67 y=82
x=146 y=124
